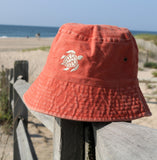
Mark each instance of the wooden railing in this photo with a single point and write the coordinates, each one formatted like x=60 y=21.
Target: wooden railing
x=74 y=140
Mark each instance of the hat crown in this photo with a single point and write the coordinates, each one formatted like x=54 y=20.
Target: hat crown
x=93 y=54
x=106 y=33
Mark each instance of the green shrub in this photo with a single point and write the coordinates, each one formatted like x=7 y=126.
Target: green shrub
x=150 y=65
x=154 y=74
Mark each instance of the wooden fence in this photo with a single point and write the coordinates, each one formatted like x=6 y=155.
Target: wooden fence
x=74 y=140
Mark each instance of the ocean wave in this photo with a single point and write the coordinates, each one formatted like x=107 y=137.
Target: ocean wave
x=3 y=37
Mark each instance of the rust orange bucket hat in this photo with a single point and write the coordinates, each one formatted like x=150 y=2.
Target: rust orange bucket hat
x=90 y=75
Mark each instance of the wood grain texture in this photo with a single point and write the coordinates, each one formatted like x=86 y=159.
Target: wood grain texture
x=125 y=141
x=21 y=87
x=68 y=140
x=10 y=87
x=12 y=106
x=25 y=145
x=20 y=69
x=89 y=142
x=12 y=81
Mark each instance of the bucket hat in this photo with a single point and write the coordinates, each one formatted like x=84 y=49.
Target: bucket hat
x=90 y=75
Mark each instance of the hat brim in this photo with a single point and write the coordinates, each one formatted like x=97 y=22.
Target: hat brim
x=85 y=103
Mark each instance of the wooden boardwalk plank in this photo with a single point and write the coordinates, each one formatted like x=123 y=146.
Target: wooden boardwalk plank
x=21 y=87
x=125 y=141
x=25 y=145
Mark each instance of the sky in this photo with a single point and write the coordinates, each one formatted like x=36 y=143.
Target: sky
x=132 y=14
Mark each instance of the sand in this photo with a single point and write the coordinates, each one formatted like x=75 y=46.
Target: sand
x=18 y=44
x=11 y=50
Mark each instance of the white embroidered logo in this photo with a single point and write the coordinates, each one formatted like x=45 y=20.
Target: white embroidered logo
x=71 y=60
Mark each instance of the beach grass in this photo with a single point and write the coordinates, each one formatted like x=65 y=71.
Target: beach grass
x=154 y=74
x=140 y=69
x=5 y=111
x=147 y=37
x=150 y=65
x=150 y=86
x=43 y=48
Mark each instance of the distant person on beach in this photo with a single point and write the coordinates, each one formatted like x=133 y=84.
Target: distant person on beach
x=37 y=35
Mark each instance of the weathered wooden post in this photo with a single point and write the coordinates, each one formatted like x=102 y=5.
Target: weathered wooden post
x=6 y=78
x=89 y=142
x=20 y=111
x=73 y=140
x=147 y=56
x=68 y=140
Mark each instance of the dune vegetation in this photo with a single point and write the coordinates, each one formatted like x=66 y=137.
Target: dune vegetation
x=147 y=37
x=43 y=48
x=5 y=110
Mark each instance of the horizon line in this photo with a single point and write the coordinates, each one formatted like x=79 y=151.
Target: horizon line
x=59 y=27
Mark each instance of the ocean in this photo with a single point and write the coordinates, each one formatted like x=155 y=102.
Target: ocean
x=31 y=31
x=26 y=31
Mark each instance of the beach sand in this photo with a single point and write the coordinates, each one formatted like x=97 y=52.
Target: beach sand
x=11 y=50
x=18 y=44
